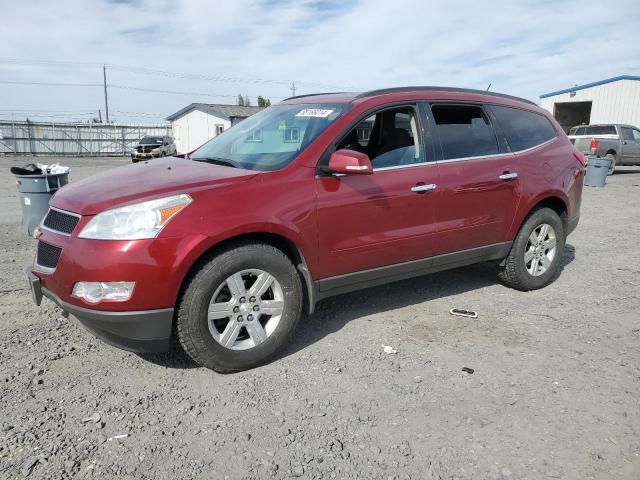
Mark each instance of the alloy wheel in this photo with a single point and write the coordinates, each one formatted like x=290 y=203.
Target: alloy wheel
x=540 y=250
x=245 y=309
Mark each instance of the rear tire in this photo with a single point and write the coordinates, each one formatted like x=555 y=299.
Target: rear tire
x=612 y=165
x=213 y=322
x=531 y=263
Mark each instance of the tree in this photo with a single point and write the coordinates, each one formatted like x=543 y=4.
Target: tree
x=244 y=101
x=263 y=102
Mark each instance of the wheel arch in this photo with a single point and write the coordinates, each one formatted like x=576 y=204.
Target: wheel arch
x=556 y=201
x=277 y=240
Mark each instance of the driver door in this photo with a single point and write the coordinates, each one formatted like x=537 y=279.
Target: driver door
x=387 y=218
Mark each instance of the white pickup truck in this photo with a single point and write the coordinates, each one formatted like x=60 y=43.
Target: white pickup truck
x=618 y=143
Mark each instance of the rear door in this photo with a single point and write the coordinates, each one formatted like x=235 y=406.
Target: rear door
x=630 y=145
x=478 y=189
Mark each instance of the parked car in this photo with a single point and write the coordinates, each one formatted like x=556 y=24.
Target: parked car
x=226 y=250
x=620 y=144
x=152 y=146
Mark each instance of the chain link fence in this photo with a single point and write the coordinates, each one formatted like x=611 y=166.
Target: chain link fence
x=73 y=139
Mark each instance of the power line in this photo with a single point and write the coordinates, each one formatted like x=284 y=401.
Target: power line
x=165 y=73
x=177 y=92
x=127 y=87
x=51 y=84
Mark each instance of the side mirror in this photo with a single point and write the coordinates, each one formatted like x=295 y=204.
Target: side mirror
x=350 y=162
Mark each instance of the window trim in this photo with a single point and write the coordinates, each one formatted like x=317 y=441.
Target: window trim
x=422 y=131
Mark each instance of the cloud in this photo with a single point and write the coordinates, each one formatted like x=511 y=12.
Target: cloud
x=522 y=47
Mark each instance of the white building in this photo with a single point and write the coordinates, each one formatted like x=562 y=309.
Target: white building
x=197 y=123
x=613 y=100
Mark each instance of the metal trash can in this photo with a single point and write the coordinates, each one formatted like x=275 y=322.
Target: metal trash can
x=597 y=170
x=35 y=193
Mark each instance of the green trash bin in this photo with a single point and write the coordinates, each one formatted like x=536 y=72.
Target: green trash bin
x=597 y=171
x=35 y=193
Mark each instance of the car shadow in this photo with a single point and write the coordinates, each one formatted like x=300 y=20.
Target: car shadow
x=625 y=172
x=334 y=313
x=176 y=359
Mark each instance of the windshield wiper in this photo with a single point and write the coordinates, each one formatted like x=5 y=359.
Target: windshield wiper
x=218 y=161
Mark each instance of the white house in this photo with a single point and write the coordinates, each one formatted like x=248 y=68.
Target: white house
x=613 y=100
x=197 y=123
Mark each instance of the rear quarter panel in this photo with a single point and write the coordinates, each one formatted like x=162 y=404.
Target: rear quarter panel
x=548 y=171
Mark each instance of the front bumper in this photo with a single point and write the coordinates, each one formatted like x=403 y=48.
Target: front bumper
x=135 y=331
x=145 y=155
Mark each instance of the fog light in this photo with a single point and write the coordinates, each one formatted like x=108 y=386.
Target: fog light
x=94 y=292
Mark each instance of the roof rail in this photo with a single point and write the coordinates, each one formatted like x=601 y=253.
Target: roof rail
x=383 y=91
x=312 y=95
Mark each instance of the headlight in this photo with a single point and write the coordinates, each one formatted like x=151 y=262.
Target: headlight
x=135 y=222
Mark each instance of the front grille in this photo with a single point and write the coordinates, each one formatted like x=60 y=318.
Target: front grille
x=48 y=255
x=60 y=221
x=146 y=148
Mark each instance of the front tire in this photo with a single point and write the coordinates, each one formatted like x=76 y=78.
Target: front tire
x=240 y=308
x=536 y=253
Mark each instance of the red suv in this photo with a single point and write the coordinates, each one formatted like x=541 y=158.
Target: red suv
x=317 y=196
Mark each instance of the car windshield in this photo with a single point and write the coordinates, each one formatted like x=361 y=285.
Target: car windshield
x=151 y=140
x=271 y=138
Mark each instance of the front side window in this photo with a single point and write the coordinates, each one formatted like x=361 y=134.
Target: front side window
x=627 y=133
x=271 y=138
x=390 y=138
x=523 y=129
x=464 y=131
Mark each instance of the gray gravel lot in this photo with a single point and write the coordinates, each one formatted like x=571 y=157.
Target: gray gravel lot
x=555 y=392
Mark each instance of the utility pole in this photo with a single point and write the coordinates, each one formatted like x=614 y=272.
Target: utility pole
x=106 y=101
x=293 y=88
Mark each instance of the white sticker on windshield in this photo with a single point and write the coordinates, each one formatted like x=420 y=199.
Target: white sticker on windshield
x=315 y=112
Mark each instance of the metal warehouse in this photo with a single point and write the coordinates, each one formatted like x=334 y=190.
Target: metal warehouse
x=613 y=100
x=197 y=123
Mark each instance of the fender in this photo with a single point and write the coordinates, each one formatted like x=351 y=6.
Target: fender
x=203 y=243
x=527 y=204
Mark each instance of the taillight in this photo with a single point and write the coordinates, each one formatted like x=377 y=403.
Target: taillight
x=594 y=144
x=580 y=157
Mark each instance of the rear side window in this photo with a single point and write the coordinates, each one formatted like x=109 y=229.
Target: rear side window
x=464 y=131
x=522 y=128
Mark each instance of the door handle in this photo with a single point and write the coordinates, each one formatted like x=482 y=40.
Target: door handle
x=508 y=176
x=423 y=188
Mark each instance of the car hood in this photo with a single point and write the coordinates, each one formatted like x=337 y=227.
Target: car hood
x=143 y=181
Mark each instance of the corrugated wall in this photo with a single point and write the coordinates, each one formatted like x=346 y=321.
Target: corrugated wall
x=91 y=139
x=615 y=102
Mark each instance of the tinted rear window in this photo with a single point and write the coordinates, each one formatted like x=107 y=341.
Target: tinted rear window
x=522 y=128
x=464 y=131
x=600 y=130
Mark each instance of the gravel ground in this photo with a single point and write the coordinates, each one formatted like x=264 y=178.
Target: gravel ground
x=554 y=394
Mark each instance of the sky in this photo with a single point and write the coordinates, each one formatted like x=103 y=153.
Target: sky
x=209 y=51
